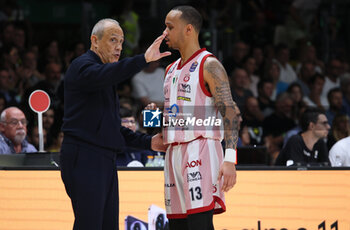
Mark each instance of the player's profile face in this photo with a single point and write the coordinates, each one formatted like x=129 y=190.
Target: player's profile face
x=175 y=29
x=110 y=45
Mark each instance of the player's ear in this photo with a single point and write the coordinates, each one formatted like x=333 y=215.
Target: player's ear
x=94 y=41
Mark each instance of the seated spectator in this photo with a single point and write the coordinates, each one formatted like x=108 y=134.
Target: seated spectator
x=253 y=121
x=10 y=95
x=13 y=132
x=340 y=129
x=136 y=156
x=238 y=82
x=265 y=90
x=249 y=64
x=307 y=70
x=235 y=58
x=314 y=99
x=332 y=79
x=272 y=72
x=339 y=155
x=335 y=99
x=297 y=96
x=33 y=137
x=277 y=124
x=287 y=73
x=146 y=84
x=307 y=147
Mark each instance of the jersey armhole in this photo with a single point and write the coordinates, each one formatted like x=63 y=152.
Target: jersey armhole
x=201 y=76
x=168 y=68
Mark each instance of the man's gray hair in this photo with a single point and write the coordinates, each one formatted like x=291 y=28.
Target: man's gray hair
x=3 y=116
x=100 y=25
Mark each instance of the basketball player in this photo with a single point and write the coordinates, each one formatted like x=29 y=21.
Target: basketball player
x=196 y=171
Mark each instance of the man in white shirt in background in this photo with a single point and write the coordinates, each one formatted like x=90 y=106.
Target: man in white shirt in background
x=339 y=155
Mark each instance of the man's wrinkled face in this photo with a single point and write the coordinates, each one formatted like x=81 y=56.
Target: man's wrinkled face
x=15 y=126
x=109 y=47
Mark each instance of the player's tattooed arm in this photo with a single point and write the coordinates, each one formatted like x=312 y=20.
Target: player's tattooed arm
x=217 y=83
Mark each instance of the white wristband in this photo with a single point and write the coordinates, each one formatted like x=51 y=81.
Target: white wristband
x=231 y=155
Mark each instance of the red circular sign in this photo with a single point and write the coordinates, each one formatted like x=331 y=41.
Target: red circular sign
x=39 y=101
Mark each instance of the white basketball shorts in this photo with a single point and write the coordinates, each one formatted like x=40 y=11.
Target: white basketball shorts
x=191 y=170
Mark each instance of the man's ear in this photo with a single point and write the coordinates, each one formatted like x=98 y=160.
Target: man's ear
x=2 y=127
x=189 y=28
x=94 y=41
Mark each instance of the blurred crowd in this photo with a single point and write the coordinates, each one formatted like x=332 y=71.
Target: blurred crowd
x=282 y=58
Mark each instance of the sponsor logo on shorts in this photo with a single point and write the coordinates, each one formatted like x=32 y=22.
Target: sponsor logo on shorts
x=169 y=185
x=194 y=163
x=167 y=202
x=194 y=176
x=214 y=188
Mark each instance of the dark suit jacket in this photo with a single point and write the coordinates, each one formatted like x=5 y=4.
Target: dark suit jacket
x=91 y=105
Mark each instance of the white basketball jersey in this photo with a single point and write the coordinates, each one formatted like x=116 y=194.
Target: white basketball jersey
x=189 y=109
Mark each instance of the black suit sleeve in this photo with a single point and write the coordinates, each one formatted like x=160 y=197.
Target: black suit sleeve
x=94 y=76
x=136 y=139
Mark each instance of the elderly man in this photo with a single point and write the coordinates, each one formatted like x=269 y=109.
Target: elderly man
x=13 y=128
x=93 y=134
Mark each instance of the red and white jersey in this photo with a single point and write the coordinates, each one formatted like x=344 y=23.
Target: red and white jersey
x=189 y=109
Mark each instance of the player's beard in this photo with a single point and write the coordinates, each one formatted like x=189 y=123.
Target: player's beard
x=20 y=136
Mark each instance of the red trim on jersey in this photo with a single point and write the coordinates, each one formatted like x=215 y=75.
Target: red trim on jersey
x=193 y=55
x=168 y=68
x=201 y=209
x=201 y=76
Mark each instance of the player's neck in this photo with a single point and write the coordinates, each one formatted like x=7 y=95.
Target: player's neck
x=188 y=50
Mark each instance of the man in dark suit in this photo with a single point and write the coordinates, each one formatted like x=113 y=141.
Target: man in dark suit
x=93 y=134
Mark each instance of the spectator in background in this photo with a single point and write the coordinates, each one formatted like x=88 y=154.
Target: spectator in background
x=235 y=60
x=273 y=72
x=345 y=88
x=28 y=72
x=7 y=34
x=332 y=79
x=238 y=81
x=316 y=84
x=307 y=147
x=297 y=96
x=10 y=60
x=265 y=90
x=308 y=54
x=335 y=100
x=277 y=124
x=146 y=84
x=10 y=95
x=33 y=136
x=287 y=73
x=339 y=155
x=19 y=39
x=13 y=128
x=3 y=103
x=51 y=55
x=253 y=121
x=258 y=54
x=307 y=70
x=138 y=157
x=249 y=65
x=50 y=84
x=340 y=129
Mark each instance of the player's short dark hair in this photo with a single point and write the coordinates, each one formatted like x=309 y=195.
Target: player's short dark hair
x=310 y=115
x=191 y=16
